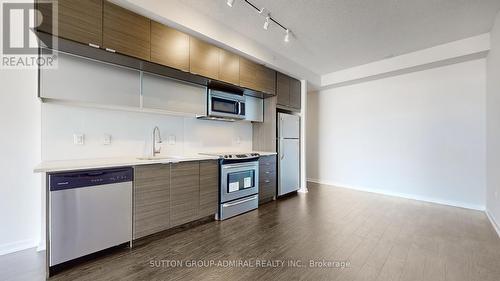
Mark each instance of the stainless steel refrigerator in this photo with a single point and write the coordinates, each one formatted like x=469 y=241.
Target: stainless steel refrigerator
x=288 y=153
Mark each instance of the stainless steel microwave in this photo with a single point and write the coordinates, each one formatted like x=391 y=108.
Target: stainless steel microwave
x=225 y=105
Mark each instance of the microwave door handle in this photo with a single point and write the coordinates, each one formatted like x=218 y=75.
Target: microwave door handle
x=239 y=108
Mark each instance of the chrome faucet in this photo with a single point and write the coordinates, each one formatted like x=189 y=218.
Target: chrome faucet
x=156 y=140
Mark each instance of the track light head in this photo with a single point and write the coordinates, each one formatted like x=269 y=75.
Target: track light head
x=230 y=3
x=266 y=23
x=287 y=36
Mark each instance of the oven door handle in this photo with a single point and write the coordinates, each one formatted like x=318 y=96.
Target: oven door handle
x=240 y=165
x=225 y=205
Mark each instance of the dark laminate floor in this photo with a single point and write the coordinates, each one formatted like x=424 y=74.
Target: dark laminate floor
x=383 y=238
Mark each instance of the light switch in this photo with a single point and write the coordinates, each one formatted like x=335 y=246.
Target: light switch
x=171 y=140
x=107 y=140
x=79 y=139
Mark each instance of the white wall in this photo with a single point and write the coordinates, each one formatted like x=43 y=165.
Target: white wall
x=493 y=125
x=419 y=135
x=132 y=133
x=20 y=193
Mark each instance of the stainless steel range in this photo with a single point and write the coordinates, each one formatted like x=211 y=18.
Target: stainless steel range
x=239 y=183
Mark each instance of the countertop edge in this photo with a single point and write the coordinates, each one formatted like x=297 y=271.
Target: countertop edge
x=99 y=163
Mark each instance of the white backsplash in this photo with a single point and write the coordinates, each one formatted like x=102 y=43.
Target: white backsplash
x=131 y=133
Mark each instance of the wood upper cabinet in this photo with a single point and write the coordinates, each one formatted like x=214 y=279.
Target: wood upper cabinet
x=169 y=47
x=184 y=192
x=257 y=77
x=209 y=188
x=229 y=67
x=295 y=96
x=78 y=20
x=126 y=32
x=203 y=58
x=248 y=73
x=283 y=89
x=266 y=78
x=288 y=91
x=151 y=199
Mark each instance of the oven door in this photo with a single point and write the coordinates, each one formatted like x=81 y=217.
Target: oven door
x=239 y=180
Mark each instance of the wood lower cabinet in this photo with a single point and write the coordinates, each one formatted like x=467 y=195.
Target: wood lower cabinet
x=151 y=199
x=169 y=47
x=203 y=58
x=209 y=188
x=169 y=195
x=78 y=20
x=126 y=32
x=267 y=178
x=184 y=192
x=229 y=67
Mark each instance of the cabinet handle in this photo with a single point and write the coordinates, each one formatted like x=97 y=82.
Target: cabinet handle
x=268 y=173
x=94 y=45
x=267 y=181
x=111 y=50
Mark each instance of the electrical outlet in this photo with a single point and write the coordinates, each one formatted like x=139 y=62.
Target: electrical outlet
x=171 y=140
x=238 y=140
x=79 y=139
x=107 y=140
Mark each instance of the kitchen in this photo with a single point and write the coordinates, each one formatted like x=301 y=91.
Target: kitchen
x=208 y=103
x=170 y=143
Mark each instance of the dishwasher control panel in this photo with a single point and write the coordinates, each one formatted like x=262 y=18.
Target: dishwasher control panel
x=69 y=180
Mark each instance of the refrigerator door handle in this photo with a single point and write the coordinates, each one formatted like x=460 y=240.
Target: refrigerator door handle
x=282 y=151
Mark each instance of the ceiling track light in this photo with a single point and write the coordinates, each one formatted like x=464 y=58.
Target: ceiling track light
x=287 y=36
x=269 y=19
x=266 y=23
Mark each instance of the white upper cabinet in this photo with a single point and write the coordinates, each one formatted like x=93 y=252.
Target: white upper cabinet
x=82 y=80
x=254 y=109
x=174 y=96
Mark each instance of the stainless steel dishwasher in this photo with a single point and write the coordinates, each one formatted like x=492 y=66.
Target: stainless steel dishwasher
x=89 y=211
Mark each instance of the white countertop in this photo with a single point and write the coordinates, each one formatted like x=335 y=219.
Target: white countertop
x=96 y=163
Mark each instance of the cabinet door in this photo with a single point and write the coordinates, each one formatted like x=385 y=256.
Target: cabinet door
x=248 y=74
x=159 y=92
x=229 y=67
x=78 y=79
x=126 y=32
x=151 y=199
x=267 y=178
x=266 y=79
x=185 y=192
x=283 y=89
x=169 y=47
x=295 y=89
x=209 y=188
x=203 y=58
x=78 y=20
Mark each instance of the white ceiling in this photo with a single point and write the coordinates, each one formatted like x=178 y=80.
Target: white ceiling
x=331 y=35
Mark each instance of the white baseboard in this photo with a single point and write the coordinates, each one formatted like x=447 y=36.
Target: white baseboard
x=493 y=222
x=403 y=195
x=17 y=246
